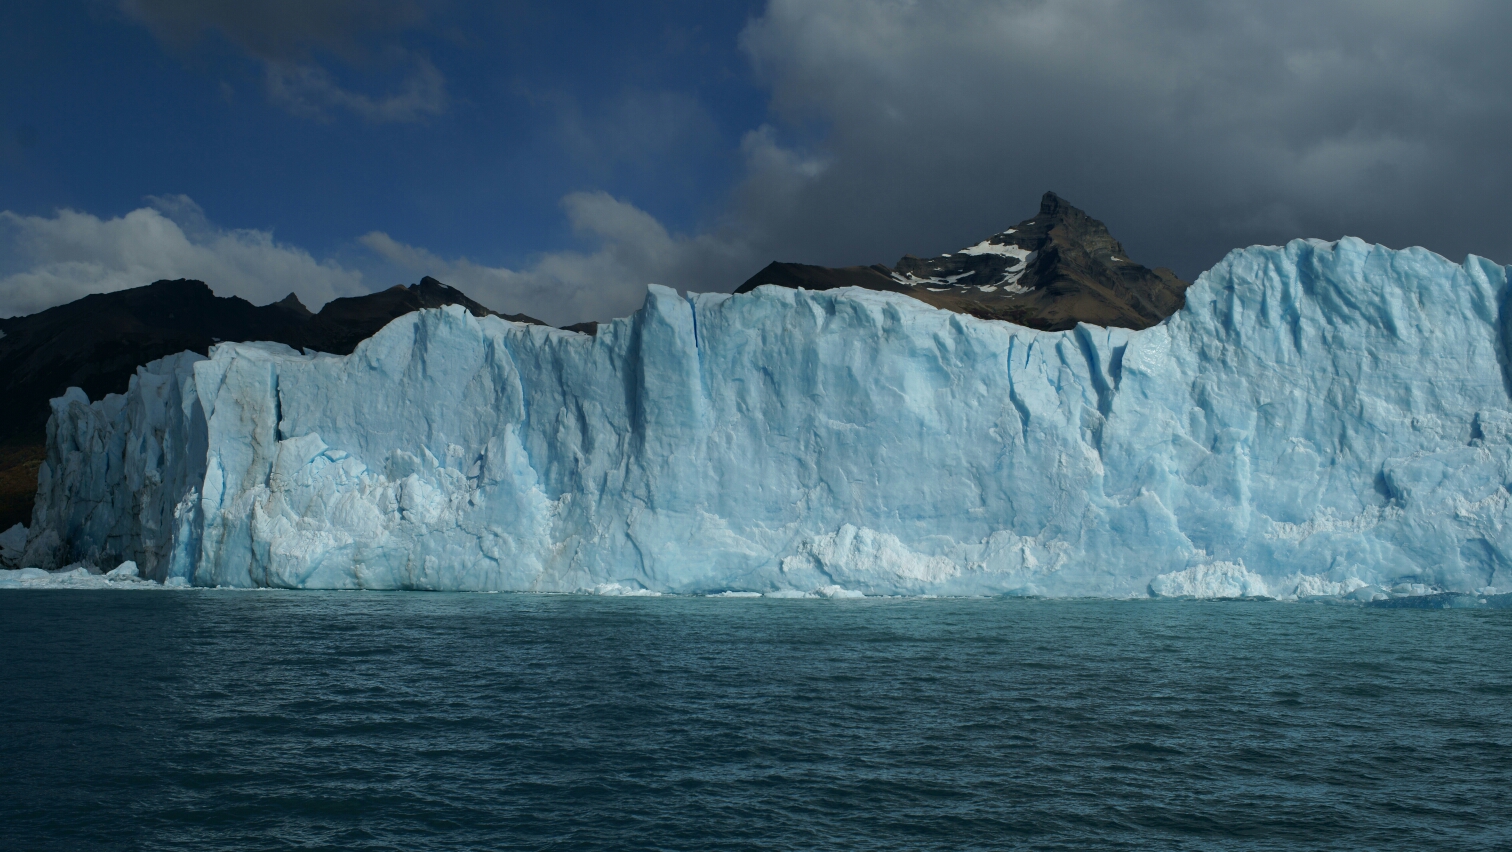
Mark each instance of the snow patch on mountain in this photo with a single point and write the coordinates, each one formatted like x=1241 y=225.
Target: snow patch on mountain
x=990 y=247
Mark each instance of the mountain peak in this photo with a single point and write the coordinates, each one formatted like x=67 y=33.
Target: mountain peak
x=1055 y=270
x=1055 y=207
x=291 y=303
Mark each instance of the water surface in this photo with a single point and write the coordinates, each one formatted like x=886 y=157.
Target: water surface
x=245 y=720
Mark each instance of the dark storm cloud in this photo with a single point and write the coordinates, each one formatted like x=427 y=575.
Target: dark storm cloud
x=288 y=38
x=1191 y=127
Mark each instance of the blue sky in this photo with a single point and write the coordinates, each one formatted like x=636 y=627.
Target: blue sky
x=555 y=157
x=535 y=102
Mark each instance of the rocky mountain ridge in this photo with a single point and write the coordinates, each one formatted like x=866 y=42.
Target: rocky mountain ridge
x=1054 y=270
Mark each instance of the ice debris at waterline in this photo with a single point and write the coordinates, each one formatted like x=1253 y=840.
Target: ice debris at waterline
x=1318 y=419
x=122 y=576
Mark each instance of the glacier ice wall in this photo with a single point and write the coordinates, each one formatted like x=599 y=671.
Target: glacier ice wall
x=1319 y=417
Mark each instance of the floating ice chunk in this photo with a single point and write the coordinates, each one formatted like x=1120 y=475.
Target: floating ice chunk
x=616 y=590
x=125 y=571
x=836 y=592
x=1311 y=585
x=79 y=577
x=1215 y=580
x=1367 y=594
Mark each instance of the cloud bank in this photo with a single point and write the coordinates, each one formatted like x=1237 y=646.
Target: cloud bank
x=59 y=258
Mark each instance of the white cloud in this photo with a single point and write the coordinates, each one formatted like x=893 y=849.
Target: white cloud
x=632 y=250
x=56 y=259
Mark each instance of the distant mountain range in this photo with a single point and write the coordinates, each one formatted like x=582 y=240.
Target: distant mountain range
x=97 y=342
x=1050 y=272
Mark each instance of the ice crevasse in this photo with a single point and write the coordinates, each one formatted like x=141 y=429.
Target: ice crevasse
x=1319 y=417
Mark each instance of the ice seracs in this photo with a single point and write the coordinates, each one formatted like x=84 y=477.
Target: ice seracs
x=1320 y=418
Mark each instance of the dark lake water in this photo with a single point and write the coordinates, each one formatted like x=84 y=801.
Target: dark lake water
x=244 y=720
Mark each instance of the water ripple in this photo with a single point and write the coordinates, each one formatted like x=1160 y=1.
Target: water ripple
x=417 y=722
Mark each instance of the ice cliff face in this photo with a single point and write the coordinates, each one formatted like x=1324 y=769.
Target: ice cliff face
x=1318 y=418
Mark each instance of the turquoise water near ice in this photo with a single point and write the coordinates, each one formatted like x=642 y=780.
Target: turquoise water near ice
x=282 y=720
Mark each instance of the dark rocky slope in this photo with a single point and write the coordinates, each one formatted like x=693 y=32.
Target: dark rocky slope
x=97 y=342
x=1050 y=272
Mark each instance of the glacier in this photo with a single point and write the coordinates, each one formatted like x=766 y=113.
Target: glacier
x=1323 y=418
